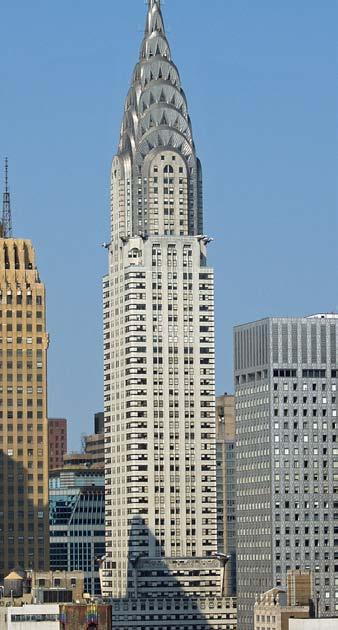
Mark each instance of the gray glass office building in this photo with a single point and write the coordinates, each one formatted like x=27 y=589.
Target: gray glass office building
x=286 y=457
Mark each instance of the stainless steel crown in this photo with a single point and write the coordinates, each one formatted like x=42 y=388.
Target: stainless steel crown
x=156 y=112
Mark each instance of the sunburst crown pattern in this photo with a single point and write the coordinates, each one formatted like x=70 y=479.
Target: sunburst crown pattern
x=156 y=119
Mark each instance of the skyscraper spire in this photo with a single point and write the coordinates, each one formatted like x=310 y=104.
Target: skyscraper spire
x=159 y=345
x=6 y=220
x=152 y=3
x=154 y=17
x=156 y=118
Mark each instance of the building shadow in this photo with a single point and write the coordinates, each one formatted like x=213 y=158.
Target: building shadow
x=161 y=592
x=23 y=540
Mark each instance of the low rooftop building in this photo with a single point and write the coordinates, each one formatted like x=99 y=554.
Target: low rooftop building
x=276 y=607
x=82 y=616
x=30 y=617
x=43 y=587
x=57 y=586
x=313 y=624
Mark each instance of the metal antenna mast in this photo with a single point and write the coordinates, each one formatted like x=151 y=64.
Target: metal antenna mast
x=6 y=206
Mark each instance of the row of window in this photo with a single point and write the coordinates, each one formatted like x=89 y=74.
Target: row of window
x=21 y=340
x=20 y=415
x=29 y=327
x=18 y=299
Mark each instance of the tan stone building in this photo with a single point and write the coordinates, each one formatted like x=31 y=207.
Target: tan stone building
x=94 y=446
x=45 y=583
x=225 y=417
x=276 y=607
x=94 y=443
x=43 y=586
x=24 y=529
x=225 y=478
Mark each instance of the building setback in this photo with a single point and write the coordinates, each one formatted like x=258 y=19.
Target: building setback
x=24 y=531
x=160 y=455
x=276 y=607
x=287 y=457
x=94 y=444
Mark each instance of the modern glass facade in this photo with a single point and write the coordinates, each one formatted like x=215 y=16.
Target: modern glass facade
x=76 y=513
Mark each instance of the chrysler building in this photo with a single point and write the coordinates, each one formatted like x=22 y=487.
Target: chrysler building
x=159 y=357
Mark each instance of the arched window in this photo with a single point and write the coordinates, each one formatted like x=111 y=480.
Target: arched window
x=168 y=169
x=6 y=257
x=16 y=258
x=134 y=253
x=28 y=264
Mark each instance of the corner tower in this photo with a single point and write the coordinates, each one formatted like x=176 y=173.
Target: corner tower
x=160 y=458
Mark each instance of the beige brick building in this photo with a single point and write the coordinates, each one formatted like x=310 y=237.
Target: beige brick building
x=24 y=530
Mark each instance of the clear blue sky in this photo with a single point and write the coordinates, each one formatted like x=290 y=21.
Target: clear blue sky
x=261 y=79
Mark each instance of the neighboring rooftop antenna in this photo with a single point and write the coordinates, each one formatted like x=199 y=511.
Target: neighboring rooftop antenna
x=6 y=206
